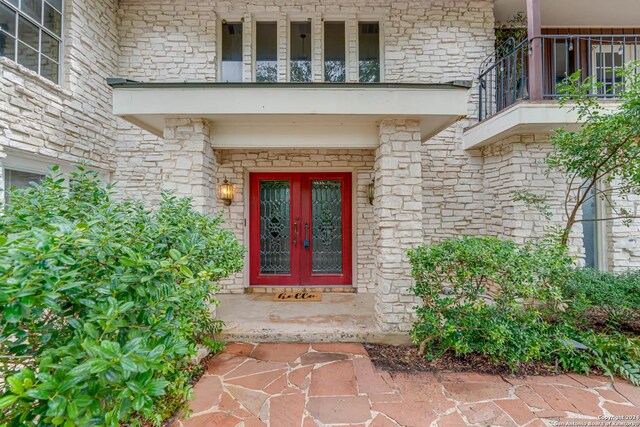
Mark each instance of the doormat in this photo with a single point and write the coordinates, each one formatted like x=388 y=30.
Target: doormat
x=298 y=296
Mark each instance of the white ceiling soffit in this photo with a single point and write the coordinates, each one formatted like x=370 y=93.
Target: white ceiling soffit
x=577 y=13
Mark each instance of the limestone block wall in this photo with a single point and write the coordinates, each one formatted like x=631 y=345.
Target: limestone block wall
x=518 y=163
x=188 y=165
x=398 y=210
x=236 y=165
x=430 y=41
x=72 y=121
x=624 y=242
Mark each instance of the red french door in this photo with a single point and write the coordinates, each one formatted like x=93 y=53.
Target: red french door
x=300 y=229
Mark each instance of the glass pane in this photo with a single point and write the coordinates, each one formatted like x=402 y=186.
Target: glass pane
x=7 y=46
x=300 y=51
x=33 y=8
x=27 y=57
x=52 y=20
x=13 y=2
x=275 y=225
x=369 y=51
x=19 y=179
x=334 y=52
x=589 y=235
x=326 y=218
x=55 y=3
x=49 y=46
x=232 y=52
x=49 y=69
x=266 y=52
x=7 y=20
x=28 y=33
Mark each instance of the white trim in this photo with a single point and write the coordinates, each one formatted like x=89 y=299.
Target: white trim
x=254 y=45
x=230 y=19
x=602 y=237
x=524 y=117
x=343 y=20
x=299 y=17
x=381 y=43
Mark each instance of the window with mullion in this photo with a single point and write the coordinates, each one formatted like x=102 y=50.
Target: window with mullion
x=31 y=34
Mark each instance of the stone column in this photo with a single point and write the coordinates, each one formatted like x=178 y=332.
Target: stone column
x=189 y=166
x=398 y=212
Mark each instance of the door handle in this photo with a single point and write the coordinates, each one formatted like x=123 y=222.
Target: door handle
x=306 y=235
x=295 y=233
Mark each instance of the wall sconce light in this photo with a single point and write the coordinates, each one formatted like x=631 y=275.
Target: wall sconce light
x=226 y=192
x=371 y=191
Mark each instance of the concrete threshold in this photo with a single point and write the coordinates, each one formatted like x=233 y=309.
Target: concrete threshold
x=337 y=318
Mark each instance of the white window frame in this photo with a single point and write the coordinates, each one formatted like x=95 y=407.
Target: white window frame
x=347 y=62
x=41 y=28
x=254 y=45
x=380 y=21
x=227 y=19
x=290 y=20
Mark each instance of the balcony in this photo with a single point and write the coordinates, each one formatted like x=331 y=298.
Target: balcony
x=505 y=81
x=515 y=99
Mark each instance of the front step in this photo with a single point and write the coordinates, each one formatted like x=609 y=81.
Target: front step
x=257 y=289
x=340 y=317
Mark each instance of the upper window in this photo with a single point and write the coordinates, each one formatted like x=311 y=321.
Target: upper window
x=334 y=52
x=31 y=35
x=300 y=51
x=266 y=51
x=231 y=52
x=369 y=52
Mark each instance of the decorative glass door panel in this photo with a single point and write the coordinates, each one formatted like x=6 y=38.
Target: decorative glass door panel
x=275 y=220
x=300 y=229
x=326 y=217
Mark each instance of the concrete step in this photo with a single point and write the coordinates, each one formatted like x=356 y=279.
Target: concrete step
x=337 y=318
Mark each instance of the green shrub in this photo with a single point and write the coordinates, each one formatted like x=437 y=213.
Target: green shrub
x=104 y=302
x=605 y=298
x=516 y=304
x=487 y=296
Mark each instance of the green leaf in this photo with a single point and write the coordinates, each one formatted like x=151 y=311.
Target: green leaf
x=91 y=330
x=138 y=402
x=156 y=388
x=8 y=400
x=174 y=254
x=57 y=406
x=72 y=410
x=186 y=271
x=12 y=313
x=66 y=259
x=157 y=351
x=15 y=385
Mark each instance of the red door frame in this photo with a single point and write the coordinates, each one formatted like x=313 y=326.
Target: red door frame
x=300 y=190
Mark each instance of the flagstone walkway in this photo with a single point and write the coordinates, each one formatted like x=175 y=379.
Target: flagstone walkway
x=308 y=385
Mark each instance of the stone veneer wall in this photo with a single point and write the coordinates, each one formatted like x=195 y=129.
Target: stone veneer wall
x=72 y=121
x=518 y=163
x=424 y=41
x=398 y=210
x=235 y=165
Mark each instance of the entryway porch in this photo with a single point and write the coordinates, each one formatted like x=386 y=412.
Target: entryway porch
x=339 y=317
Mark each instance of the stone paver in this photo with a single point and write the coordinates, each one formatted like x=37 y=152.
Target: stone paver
x=312 y=385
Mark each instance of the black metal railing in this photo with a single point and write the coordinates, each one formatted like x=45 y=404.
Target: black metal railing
x=504 y=77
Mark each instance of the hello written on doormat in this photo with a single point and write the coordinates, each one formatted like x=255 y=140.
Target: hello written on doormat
x=298 y=296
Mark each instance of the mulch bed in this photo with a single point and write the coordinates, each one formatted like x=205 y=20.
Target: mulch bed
x=406 y=359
